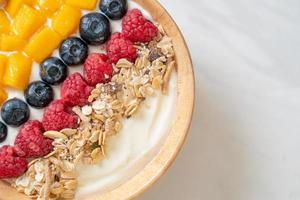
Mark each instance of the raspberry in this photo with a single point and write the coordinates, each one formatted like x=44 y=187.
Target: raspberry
x=119 y=47
x=58 y=116
x=137 y=28
x=11 y=166
x=31 y=143
x=75 y=91
x=97 y=69
x=7 y=150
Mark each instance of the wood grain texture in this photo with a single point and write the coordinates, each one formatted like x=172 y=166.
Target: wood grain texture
x=184 y=111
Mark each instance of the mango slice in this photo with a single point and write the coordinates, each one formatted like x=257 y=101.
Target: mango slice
x=83 y=4
x=13 y=6
x=66 y=21
x=11 y=43
x=3 y=96
x=42 y=44
x=49 y=6
x=4 y=22
x=18 y=71
x=3 y=61
x=27 y=22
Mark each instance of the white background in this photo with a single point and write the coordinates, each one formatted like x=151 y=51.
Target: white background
x=244 y=143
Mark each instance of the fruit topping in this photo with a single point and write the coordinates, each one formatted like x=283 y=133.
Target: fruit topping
x=73 y=51
x=18 y=71
x=30 y=141
x=114 y=9
x=39 y=94
x=97 y=69
x=3 y=132
x=75 y=91
x=83 y=4
x=58 y=116
x=94 y=28
x=137 y=28
x=27 y=21
x=49 y=6
x=7 y=151
x=3 y=96
x=15 y=112
x=13 y=6
x=119 y=47
x=53 y=71
x=11 y=166
x=4 y=22
x=3 y=61
x=66 y=20
x=42 y=44
x=11 y=43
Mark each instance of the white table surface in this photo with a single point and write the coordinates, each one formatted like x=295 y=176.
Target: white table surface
x=244 y=143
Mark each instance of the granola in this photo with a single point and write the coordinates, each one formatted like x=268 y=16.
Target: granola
x=55 y=176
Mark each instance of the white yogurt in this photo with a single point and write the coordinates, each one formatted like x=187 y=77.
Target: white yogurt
x=130 y=150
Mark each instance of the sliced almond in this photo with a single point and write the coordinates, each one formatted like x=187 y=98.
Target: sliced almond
x=123 y=63
x=69 y=175
x=55 y=135
x=157 y=82
x=69 y=132
x=68 y=194
x=57 y=190
x=167 y=76
x=71 y=185
x=94 y=137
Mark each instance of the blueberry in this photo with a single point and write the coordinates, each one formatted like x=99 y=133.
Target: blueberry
x=95 y=28
x=114 y=9
x=15 y=112
x=3 y=132
x=73 y=51
x=53 y=71
x=39 y=94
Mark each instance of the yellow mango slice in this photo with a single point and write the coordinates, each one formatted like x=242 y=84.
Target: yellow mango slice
x=3 y=95
x=83 y=4
x=2 y=2
x=11 y=43
x=42 y=44
x=49 y=6
x=13 y=6
x=3 y=61
x=18 y=71
x=4 y=22
x=27 y=21
x=66 y=21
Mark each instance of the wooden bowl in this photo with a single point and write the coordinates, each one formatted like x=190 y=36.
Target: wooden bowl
x=175 y=139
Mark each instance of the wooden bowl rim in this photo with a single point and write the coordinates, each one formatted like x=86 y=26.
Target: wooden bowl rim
x=175 y=139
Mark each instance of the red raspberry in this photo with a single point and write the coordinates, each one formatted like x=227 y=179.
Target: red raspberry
x=75 y=91
x=31 y=143
x=137 y=28
x=97 y=69
x=7 y=150
x=11 y=166
x=58 y=116
x=119 y=47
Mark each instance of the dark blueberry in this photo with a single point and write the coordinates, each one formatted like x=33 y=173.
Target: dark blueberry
x=39 y=94
x=94 y=28
x=73 y=51
x=3 y=132
x=114 y=9
x=53 y=71
x=15 y=112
